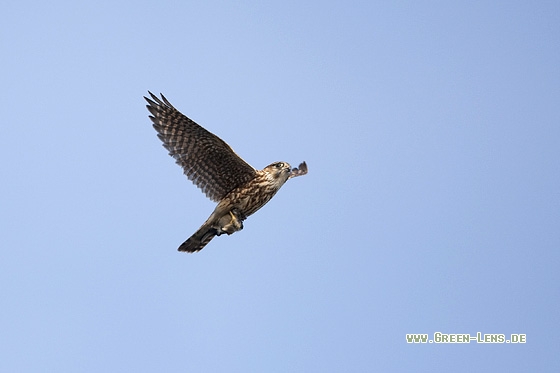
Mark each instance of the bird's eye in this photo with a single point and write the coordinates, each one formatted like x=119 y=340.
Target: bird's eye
x=279 y=165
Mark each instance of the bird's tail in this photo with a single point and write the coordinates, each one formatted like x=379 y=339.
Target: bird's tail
x=198 y=240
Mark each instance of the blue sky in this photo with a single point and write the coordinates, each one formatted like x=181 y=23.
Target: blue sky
x=432 y=203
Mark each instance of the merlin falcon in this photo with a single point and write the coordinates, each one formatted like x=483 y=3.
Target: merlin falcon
x=214 y=167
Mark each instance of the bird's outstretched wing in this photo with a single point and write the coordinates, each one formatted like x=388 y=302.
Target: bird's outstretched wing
x=206 y=159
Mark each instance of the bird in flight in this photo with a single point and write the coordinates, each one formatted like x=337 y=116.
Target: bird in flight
x=214 y=167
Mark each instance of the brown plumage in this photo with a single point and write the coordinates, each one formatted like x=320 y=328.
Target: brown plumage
x=213 y=166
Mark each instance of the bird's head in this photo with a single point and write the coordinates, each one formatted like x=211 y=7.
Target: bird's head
x=278 y=171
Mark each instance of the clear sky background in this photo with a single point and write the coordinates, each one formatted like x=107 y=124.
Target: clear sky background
x=432 y=204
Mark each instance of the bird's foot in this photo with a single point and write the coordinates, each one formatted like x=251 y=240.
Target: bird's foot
x=230 y=223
